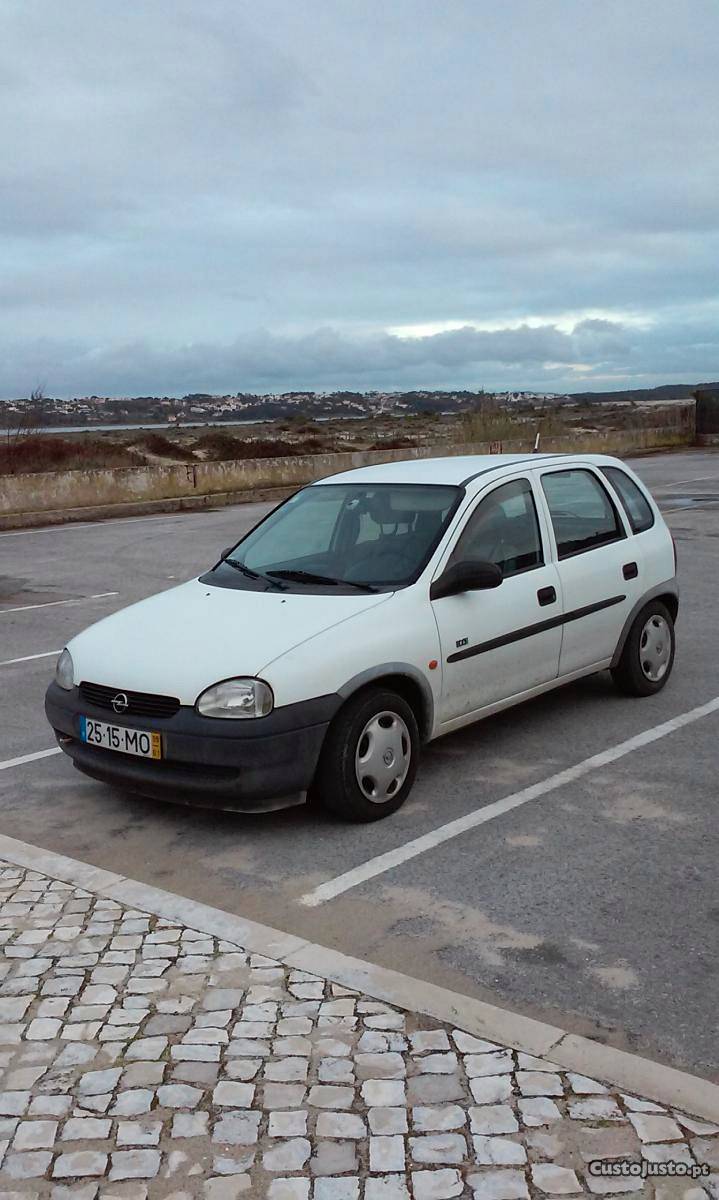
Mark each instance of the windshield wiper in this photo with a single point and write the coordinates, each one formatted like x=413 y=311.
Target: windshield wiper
x=240 y=566
x=310 y=577
x=363 y=587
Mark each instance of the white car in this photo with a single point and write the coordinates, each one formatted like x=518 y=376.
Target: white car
x=369 y=613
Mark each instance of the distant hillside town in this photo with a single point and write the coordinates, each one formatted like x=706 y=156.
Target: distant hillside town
x=204 y=408
x=307 y=405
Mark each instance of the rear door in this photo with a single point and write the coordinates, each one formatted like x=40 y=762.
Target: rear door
x=596 y=561
x=497 y=643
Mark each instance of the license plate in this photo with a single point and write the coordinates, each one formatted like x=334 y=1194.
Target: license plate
x=116 y=737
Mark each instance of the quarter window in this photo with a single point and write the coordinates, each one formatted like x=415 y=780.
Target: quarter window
x=635 y=502
x=582 y=511
x=503 y=529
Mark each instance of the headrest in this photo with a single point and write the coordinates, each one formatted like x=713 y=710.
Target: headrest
x=378 y=507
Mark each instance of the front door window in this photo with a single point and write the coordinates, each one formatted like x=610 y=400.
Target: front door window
x=504 y=530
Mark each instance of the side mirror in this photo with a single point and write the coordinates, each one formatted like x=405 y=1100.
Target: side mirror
x=227 y=550
x=466 y=577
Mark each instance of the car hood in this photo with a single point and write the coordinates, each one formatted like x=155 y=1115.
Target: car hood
x=183 y=640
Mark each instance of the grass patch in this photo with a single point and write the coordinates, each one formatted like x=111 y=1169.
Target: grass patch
x=491 y=425
x=394 y=443
x=32 y=454
x=219 y=446
x=158 y=443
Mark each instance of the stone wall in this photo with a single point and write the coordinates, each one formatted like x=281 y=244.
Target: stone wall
x=154 y=487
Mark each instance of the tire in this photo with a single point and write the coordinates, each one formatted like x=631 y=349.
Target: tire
x=375 y=726
x=648 y=655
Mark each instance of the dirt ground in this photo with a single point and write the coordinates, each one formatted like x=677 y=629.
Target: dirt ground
x=31 y=451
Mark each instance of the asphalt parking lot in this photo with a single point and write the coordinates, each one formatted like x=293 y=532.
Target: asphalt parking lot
x=593 y=905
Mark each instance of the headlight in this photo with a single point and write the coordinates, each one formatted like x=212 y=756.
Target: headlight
x=237 y=698
x=64 y=673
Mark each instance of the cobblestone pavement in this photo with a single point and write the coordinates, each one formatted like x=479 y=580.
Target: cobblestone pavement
x=142 y=1058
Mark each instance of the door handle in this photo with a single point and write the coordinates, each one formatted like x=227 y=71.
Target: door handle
x=546 y=595
x=630 y=570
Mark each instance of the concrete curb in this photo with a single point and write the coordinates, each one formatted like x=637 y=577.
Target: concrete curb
x=141 y=508
x=647 y=1079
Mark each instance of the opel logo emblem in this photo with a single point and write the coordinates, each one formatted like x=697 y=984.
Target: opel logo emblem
x=120 y=702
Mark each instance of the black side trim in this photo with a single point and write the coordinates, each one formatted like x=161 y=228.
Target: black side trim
x=529 y=630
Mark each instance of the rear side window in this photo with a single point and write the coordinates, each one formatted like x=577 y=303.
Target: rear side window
x=582 y=511
x=635 y=502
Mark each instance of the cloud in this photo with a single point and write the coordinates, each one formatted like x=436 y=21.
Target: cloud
x=177 y=176
x=326 y=358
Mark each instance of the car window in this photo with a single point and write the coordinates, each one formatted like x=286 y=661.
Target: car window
x=310 y=524
x=635 y=502
x=503 y=529
x=377 y=535
x=582 y=511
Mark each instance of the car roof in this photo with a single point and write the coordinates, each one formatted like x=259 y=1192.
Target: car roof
x=455 y=470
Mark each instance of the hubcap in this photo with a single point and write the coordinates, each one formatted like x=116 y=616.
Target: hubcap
x=655 y=646
x=382 y=757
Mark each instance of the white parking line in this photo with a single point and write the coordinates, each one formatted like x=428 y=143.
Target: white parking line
x=393 y=858
x=70 y=527
x=56 y=603
x=683 y=482
x=26 y=758
x=29 y=658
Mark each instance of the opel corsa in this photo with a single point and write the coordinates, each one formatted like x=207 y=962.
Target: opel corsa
x=367 y=614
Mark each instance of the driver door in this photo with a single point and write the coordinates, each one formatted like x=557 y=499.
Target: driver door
x=502 y=641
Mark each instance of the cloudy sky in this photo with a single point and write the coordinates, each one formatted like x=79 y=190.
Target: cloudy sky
x=222 y=195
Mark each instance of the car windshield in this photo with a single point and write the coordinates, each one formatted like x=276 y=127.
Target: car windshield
x=344 y=537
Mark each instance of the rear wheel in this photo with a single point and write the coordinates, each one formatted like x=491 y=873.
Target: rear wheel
x=369 y=760
x=648 y=655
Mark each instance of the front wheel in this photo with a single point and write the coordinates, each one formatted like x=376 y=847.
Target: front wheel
x=648 y=656
x=370 y=757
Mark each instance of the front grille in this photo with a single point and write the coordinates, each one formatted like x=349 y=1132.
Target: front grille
x=139 y=704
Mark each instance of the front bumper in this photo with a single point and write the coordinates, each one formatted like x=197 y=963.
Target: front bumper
x=244 y=765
